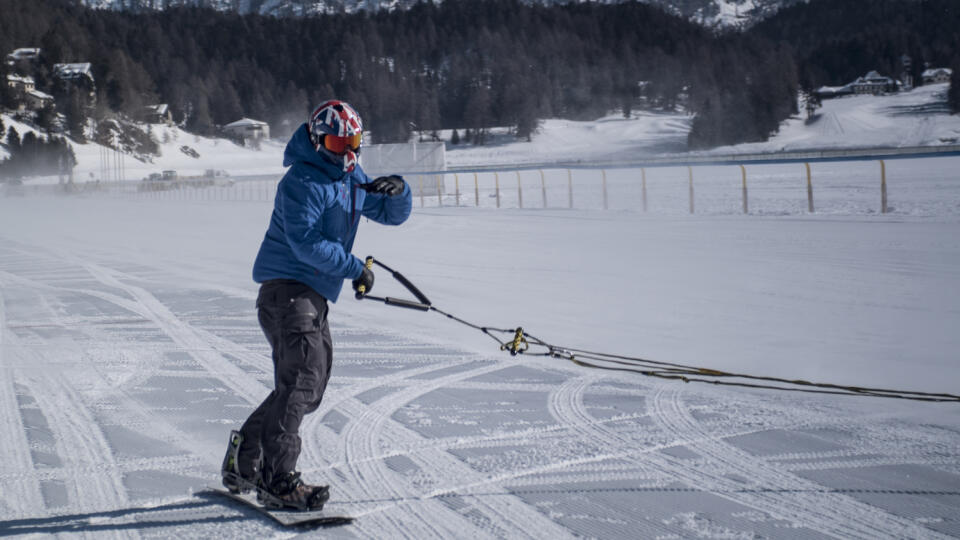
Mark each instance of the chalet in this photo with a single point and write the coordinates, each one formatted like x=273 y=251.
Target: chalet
x=73 y=72
x=875 y=84
x=21 y=84
x=37 y=100
x=158 y=114
x=25 y=54
x=827 y=92
x=248 y=130
x=937 y=75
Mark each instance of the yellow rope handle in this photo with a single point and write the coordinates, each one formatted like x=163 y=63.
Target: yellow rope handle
x=368 y=264
x=518 y=345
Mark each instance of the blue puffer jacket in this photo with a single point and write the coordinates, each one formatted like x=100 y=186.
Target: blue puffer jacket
x=315 y=218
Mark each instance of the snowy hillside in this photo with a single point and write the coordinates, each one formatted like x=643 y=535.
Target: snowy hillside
x=920 y=117
x=916 y=118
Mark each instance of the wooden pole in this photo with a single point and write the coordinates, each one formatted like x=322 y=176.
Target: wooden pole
x=496 y=178
x=476 y=190
x=519 y=190
x=439 y=190
x=643 y=187
x=605 y=205
x=456 y=182
x=743 y=170
x=883 y=187
x=543 y=188
x=809 y=189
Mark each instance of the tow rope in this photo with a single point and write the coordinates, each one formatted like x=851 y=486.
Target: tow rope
x=518 y=341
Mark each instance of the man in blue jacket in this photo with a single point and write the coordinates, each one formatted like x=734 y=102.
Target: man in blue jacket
x=303 y=260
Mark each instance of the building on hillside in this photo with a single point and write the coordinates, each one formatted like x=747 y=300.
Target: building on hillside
x=248 y=130
x=906 y=79
x=70 y=72
x=24 y=54
x=827 y=92
x=77 y=78
x=21 y=84
x=158 y=114
x=937 y=75
x=875 y=84
x=37 y=100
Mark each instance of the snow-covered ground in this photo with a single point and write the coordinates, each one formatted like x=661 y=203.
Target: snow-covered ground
x=129 y=348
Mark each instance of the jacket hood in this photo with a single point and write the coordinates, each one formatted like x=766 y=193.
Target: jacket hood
x=300 y=150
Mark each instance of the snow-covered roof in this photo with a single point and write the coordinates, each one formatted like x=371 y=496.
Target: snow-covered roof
x=24 y=52
x=833 y=89
x=933 y=72
x=23 y=79
x=246 y=122
x=40 y=95
x=875 y=76
x=161 y=108
x=69 y=71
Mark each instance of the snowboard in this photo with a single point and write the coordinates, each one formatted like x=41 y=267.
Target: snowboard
x=287 y=518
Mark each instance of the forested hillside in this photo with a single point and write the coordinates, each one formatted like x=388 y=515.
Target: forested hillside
x=835 y=41
x=462 y=64
x=474 y=64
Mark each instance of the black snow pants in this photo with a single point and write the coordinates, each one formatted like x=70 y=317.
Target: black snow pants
x=294 y=319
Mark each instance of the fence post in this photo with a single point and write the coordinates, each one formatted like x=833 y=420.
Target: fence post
x=744 y=171
x=643 y=186
x=439 y=190
x=605 y=205
x=883 y=187
x=456 y=182
x=570 y=187
x=496 y=178
x=543 y=188
x=519 y=190
x=809 y=190
x=420 y=178
x=476 y=189
x=690 y=171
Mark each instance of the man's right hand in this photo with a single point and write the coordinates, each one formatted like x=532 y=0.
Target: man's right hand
x=364 y=283
x=385 y=185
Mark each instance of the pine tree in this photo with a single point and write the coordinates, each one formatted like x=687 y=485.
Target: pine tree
x=13 y=141
x=953 y=95
x=455 y=138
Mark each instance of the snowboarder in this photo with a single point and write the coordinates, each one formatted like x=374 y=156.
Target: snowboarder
x=301 y=265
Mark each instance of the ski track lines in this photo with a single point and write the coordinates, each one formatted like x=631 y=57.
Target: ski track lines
x=95 y=481
x=182 y=334
x=14 y=446
x=367 y=470
x=829 y=513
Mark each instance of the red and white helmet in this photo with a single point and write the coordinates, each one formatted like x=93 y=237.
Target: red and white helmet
x=336 y=131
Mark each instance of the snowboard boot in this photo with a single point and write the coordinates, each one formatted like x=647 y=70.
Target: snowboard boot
x=289 y=491
x=230 y=472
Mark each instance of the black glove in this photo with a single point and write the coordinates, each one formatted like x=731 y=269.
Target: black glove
x=365 y=280
x=385 y=185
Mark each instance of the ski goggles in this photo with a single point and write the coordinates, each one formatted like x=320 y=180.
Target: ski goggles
x=340 y=145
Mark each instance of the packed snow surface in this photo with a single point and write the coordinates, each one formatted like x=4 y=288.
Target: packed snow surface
x=129 y=348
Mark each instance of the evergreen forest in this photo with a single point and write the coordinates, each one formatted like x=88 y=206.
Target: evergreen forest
x=475 y=64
